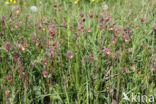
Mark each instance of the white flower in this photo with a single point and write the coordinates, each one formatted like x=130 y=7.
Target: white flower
x=34 y=8
x=105 y=6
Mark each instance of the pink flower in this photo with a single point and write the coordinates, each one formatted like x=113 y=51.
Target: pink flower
x=101 y=12
x=44 y=61
x=37 y=43
x=45 y=74
x=111 y=27
x=118 y=29
x=127 y=39
x=21 y=47
x=107 y=18
x=9 y=78
x=89 y=29
x=106 y=51
x=61 y=40
x=22 y=74
x=33 y=38
x=8 y=46
x=112 y=40
x=125 y=69
x=69 y=54
x=92 y=58
x=52 y=54
x=81 y=15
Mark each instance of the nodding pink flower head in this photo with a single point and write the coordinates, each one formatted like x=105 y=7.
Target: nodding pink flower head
x=112 y=40
x=127 y=39
x=45 y=74
x=9 y=78
x=111 y=27
x=101 y=12
x=44 y=61
x=22 y=74
x=118 y=29
x=37 y=43
x=89 y=29
x=107 y=18
x=69 y=54
x=106 y=51
x=91 y=58
x=21 y=47
x=61 y=40
x=52 y=54
x=125 y=69
x=81 y=15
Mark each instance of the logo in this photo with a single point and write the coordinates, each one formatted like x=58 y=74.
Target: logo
x=137 y=97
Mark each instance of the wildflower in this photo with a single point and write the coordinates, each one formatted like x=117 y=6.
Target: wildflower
x=101 y=12
x=69 y=54
x=105 y=6
x=6 y=2
x=64 y=24
x=154 y=67
x=118 y=29
x=45 y=74
x=91 y=58
x=128 y=30
x=154 y=28
x=22 y=74
x=61 y=40
x=25 y=3
x=127 y=39
x=11 y=0
x=44 y=61
x=111 y=27
x=55 y=5
x=52 y=54
x=91 y=14
x=37 y=43
x=7 y=92
x=33 y=8
x=81 y=15
x=26 y=44
x=93 y=0
x=14 y=1
x=125 y=69
x=76 y=1
x=19 y=67
x=21 y=47
x=8 y=46
x=107 y=18
x=142 y=20
x=106 y=51
x=112 y=40
x=9 y=78
x=89 y=29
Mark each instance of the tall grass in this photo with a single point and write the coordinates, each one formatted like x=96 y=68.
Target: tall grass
x=66 y=53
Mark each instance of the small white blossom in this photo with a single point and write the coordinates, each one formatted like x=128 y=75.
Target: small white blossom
x=34 y=8
x=105 y=6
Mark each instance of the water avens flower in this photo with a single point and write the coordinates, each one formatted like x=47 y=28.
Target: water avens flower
x=33 y=8
x=69 y=54
x=9 y=78
x=45 y=74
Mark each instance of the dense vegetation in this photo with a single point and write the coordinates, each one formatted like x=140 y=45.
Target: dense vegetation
x=77 y=52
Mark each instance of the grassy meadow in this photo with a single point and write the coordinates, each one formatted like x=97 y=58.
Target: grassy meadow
x=77 y=51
